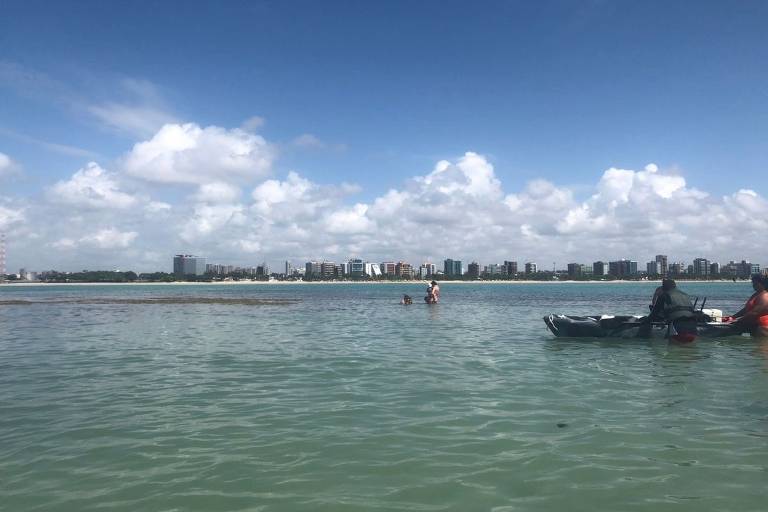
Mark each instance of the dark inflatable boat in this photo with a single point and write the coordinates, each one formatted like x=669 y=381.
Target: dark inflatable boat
x=609 y=326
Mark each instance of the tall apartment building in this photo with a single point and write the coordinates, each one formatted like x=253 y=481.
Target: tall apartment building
x=531 y=268
x=188 y=265
x=661 y=259
x=622 y=268
x=357 y=268
x=453 y=268
x=510 y=268
x=575 y=270
x=388 y=268
x=701 y=267
x=473 y=270
x=599 y=268
x=404 y=270
x=653 y=268
x=312 y=270
x=328 y=270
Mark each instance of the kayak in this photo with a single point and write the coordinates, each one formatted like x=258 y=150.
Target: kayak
x=628 y=326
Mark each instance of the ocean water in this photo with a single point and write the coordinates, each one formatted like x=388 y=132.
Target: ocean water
x=343 y=400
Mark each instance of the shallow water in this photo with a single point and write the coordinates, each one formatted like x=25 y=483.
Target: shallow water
x=345 y=400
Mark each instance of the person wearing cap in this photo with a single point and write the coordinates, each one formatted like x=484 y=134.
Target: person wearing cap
x=674 y=307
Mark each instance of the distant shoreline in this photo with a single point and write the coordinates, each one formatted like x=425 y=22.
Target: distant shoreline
x=11 y=284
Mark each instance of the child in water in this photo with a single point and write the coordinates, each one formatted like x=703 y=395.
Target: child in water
x=429 y=299
x=407 y=300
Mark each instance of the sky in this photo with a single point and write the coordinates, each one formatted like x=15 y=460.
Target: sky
x=250 y=132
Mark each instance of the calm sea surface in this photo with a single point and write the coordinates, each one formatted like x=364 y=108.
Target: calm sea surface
x=347 y=401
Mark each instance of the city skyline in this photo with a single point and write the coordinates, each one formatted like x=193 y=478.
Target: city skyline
x=339 y=130
x=186 y=265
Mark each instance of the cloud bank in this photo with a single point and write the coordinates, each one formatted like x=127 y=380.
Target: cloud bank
x=229 y=205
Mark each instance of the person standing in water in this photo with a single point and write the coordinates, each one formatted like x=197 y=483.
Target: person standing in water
x=434 y=294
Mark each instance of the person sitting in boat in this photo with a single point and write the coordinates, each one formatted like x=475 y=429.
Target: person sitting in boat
x=753 y=317
x=674 y=306
x=659 y=290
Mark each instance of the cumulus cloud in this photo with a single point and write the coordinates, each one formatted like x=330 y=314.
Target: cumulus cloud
x=217 y=193
x=6 y=165
x=92 y=187
x=190 y=154
x=109 y=238
x=456 y=209
x=9 y=216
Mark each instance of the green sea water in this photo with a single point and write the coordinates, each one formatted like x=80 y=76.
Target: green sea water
x=345 y=400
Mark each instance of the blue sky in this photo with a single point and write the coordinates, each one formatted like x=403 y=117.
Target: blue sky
x=375 y=95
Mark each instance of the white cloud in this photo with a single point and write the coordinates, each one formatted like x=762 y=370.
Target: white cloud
x=5 y=163
x=109 y=238
x=140 y=113
x=93 y=187
x=140 y=121
x=154 y=207
x=216 y=219
x=9 y=216
x=217 y=192
x=457 y=209
x=350 y=221
x=189 y=154
x=253 y=123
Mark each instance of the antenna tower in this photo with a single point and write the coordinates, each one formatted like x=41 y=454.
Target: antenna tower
x=2 y=257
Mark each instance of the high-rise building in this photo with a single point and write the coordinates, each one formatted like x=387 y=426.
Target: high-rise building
x=188 y=265
x=701 y=267
x=453 y=268
x=388 y=268
x=622 y=268
x=510 y=268
x=530 y=268
x=575 y=270
x=473 y=270
x=495 y=270
x=426 y=270
x=661 y=259
x=357 y=268
x=312 y=270
x=653 y=268
x=327 y=270
x=599 y=268
x=714 y=269
x=288 y=269
x=404 y=270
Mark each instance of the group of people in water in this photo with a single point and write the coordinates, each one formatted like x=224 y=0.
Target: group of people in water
x=673 y=306
x=432 y=296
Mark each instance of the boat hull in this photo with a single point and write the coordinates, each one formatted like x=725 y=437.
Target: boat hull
x=603 y=326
